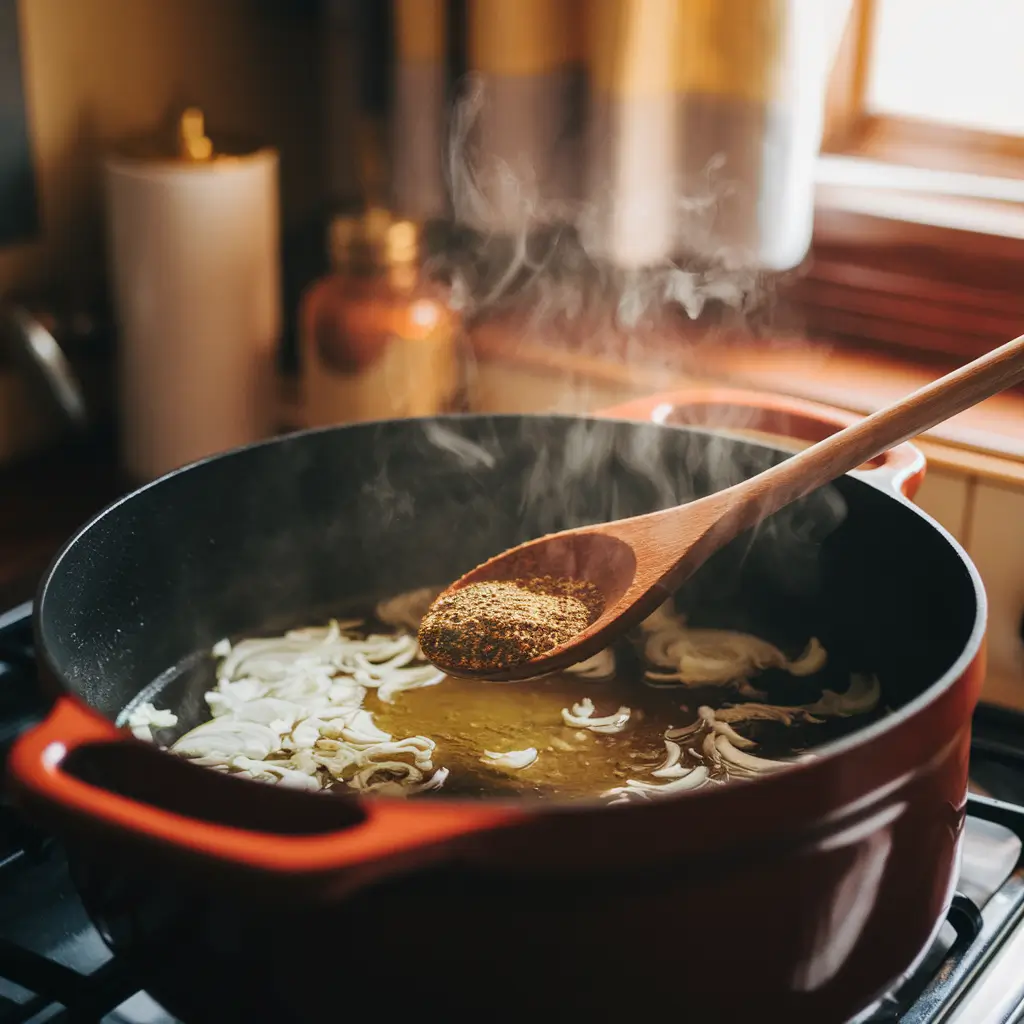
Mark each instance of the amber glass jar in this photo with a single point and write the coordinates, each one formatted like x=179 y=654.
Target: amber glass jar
x=379 y=338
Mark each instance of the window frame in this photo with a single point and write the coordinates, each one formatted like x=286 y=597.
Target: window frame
x=918 y=246
x=852 y=130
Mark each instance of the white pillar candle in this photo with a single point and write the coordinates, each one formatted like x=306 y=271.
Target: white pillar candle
x=194 y=251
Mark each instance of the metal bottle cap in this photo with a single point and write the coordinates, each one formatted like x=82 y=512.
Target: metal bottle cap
x=373 y=240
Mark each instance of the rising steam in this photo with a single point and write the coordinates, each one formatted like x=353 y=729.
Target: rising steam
x=516 y=252
x=545 y=255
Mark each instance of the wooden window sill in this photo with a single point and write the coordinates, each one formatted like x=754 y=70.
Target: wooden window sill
x=987 y=441
x=920 y=262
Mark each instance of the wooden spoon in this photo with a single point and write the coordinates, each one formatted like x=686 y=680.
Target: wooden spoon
x=637 y=563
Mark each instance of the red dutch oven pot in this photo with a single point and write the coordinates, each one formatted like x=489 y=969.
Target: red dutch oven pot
x=800 y=896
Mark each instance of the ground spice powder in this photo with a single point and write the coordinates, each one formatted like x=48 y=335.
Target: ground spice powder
x=485 y=626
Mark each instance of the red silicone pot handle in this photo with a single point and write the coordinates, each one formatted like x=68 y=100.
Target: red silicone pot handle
x=383 y=832
x=901 y=469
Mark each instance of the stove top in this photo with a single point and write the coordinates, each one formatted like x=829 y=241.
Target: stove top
x=55 y=966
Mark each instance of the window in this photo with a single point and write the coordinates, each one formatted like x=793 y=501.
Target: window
x=919 y=230
x=952 y=62
x=936 y=84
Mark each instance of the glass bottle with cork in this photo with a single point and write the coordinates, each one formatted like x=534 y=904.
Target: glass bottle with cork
x=379 y=338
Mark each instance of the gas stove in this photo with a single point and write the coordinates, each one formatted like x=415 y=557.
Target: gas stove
x=55 y=966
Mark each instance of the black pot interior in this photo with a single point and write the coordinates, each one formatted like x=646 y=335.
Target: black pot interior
x=318 y=524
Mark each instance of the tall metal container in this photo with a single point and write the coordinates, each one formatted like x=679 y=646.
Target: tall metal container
x=705 y=124
x=663 y=130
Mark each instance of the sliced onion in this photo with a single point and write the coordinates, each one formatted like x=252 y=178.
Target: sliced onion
x=367 y=778
x=582 y=717
x=597 y=668
x=670 y=768
x=663 y=617
x=714 y=657
x=267 y=710
x=275 y=772
x=812 y=660
x=145 y=718
x=729 y=733
x=288 y=710
x=739 y=759
x=709 y=748
x=513 y=760
x=764 y=712
x=360 y=730
x=414 y=680
x=229 y=737
x=861 y=697
x=634 y=789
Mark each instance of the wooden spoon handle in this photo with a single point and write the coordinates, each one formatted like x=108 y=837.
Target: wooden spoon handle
x=849 y=448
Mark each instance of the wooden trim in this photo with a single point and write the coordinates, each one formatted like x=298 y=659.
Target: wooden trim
x=923 y=144
x=899 y=140
x=973 y=464
x=847 y=84
x=848 y=216
x=925 y=289
x=934 y=312
x=917 y=282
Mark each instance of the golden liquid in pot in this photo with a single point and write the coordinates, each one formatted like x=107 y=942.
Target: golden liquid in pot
x=466 y=717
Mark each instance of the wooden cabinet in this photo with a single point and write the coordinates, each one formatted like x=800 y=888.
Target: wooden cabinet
x=988 y=519
x=945 y=497
x=995 y=542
